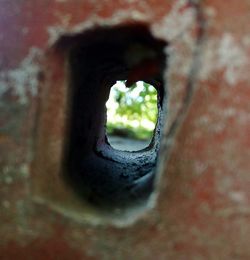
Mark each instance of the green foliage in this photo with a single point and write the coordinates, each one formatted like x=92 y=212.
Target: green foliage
x=136 y=112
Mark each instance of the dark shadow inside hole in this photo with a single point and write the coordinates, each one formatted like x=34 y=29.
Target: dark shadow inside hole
x=105 y=177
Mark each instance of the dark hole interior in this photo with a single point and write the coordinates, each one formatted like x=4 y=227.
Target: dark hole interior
x=103 y=176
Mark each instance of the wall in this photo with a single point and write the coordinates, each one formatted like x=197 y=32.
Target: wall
x=202 y=208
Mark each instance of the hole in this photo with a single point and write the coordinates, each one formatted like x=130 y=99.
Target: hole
x=108 y=178
x=131 y=115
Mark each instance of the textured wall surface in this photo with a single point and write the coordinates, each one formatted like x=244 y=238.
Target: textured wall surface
x=201 y=210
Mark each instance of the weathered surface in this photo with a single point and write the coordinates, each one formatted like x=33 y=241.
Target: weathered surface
x=202 y=211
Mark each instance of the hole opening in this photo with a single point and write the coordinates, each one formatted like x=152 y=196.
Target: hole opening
x=132 y=114
x=107 y=178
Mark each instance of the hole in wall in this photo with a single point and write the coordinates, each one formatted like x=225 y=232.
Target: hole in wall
x=105 y=177
x=131 y=115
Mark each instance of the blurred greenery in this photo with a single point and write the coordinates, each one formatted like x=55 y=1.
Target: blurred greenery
x=132 y=112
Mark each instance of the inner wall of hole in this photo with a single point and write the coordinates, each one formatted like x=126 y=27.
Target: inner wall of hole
x=100 y=175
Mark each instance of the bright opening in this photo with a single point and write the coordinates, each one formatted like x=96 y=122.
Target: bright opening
x=131 y=115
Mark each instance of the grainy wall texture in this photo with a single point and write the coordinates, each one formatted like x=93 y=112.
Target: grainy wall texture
x=200 y=206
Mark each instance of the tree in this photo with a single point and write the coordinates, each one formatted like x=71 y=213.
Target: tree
x=133 y=110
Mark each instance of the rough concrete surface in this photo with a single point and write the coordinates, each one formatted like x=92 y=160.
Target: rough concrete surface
x=200 y=208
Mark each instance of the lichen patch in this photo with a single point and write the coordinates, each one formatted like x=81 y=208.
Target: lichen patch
x=23 y=80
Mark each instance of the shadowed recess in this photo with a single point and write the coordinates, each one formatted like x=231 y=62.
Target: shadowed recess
x=103 y=176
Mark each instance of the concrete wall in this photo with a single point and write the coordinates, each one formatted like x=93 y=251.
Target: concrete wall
x=200 y=207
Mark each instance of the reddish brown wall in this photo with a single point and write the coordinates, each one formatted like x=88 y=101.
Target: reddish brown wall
x=202 y=211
